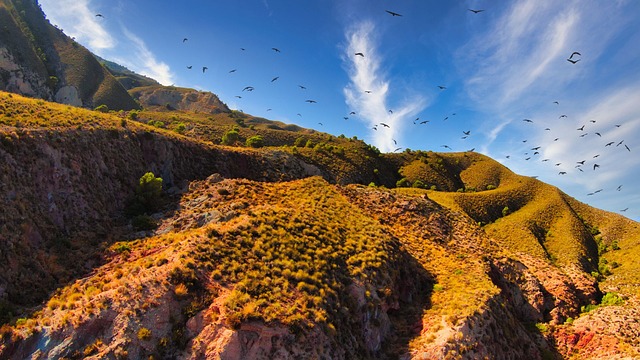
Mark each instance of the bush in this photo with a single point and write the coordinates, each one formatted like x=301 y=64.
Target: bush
x=181 y=128
x=143 y=222
x=505 y=211
x=403 y=183
x=102 y=108
x=255 y=141
x=419 y=184
x=133 y=114
x=144 y=334
x=611 y=298
x=230 y=137
x=300 y=142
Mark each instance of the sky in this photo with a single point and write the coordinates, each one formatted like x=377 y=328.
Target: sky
x=439 y=76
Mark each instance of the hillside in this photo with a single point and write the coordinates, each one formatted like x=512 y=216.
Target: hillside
x=39 y=60
x=283 y=251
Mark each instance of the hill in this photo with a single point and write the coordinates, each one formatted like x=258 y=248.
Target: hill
x=126 y=77
x=39 y=60
x=298 y=245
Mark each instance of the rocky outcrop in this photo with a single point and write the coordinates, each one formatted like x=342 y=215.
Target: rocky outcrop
x=173 y=98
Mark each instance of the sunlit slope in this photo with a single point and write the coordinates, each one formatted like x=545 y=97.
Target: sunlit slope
x=526 y=215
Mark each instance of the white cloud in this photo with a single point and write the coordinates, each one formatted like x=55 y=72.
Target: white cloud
x=78 y=21
x=145 y=62
x=368 y=91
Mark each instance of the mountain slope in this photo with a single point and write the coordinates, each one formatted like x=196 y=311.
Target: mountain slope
x=263 y=259
x=39 y=60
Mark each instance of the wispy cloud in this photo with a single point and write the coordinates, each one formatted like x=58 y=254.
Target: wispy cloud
x=80 y=22
x=368 y=90
x=145 y=62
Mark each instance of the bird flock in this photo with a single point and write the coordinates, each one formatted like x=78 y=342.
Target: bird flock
x=590 y=163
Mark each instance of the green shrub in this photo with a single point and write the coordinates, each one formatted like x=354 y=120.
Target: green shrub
x=419 y=184
x=148 y=195
x=133 y=114
x=491 y=187
x=505 y=211
x=230 y=137
x=403 y=183
x=181 y=128
x=612 y=298
x=102 y=108
x=255 y=141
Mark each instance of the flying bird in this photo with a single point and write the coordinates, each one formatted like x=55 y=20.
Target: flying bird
x=597 y=133
x=276 y=50
x=562 y=116
x=446 y=147
x=302 y=87
x=345 y=117
x=184 y=40
x=558 y=164
x=248 y=88
x=275 y=78
x=352 y=113
x=573 y=61
x=394 y=142
x=527 y=120
x=393 y=13
x=442 y=87
x=99 y=15
x=390 y=111
x=556 y=102
x=189 y=67
x=581 y=128
x=625 y=145
x=321 y=124
x=581 y=162
x=385 y=125
x=359 y=54
x=397 y=149
x=311 y=101
x=475 y=11
x=562 y=173
x=610 y=143
x=368 y=91
x=625 y=209
x=574 y=53
x=619 y=188
x=424 y=121
x=232 y=71
x=595 y=166
x=204 y=68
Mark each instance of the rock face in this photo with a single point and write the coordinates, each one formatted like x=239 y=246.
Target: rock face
x=39 y=60
x=173 y=98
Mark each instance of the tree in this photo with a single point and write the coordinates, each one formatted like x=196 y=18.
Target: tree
x=147 y=197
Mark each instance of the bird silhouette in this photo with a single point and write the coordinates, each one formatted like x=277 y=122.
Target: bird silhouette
x=385 y=125
x=593 y=121
x=619 y=188
x=556 y=102
x=574 y=53
x=581 y=128
x=573 y=61
x=276 y=50
x=204 y=68
x=585 y=134
x=597 y=133
x=345 y=117
x=311 y=101
x=99 y=15
x=321 y=124
x=562 y=173
x=562 y=116
x=581 y=162
x=475 y=11
x=424 y=121
x=394 y=142
x=275 y=78
x=527 y=120
x=368 y=91
x=239 y=97
x=397 y=149
x=625 y=209
x=610 y=143
x=625 y=145
x=595 y=166
x=248 y=88
x=536 y=148
x=620 y=143
x=232 y=71
x=359 y=54
x=596 y=155
x=352 y=113
x=189 y=67
x=393 y=13
x=390 y=111
x=446 y=147
x=302 y=87
x=467 y=132
x=184 y=40
x=442 y=87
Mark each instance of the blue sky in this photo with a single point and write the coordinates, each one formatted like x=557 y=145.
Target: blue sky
x=499 y=66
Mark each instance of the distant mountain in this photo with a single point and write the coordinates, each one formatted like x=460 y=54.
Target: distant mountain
x=126 y=77
x=39 y=60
